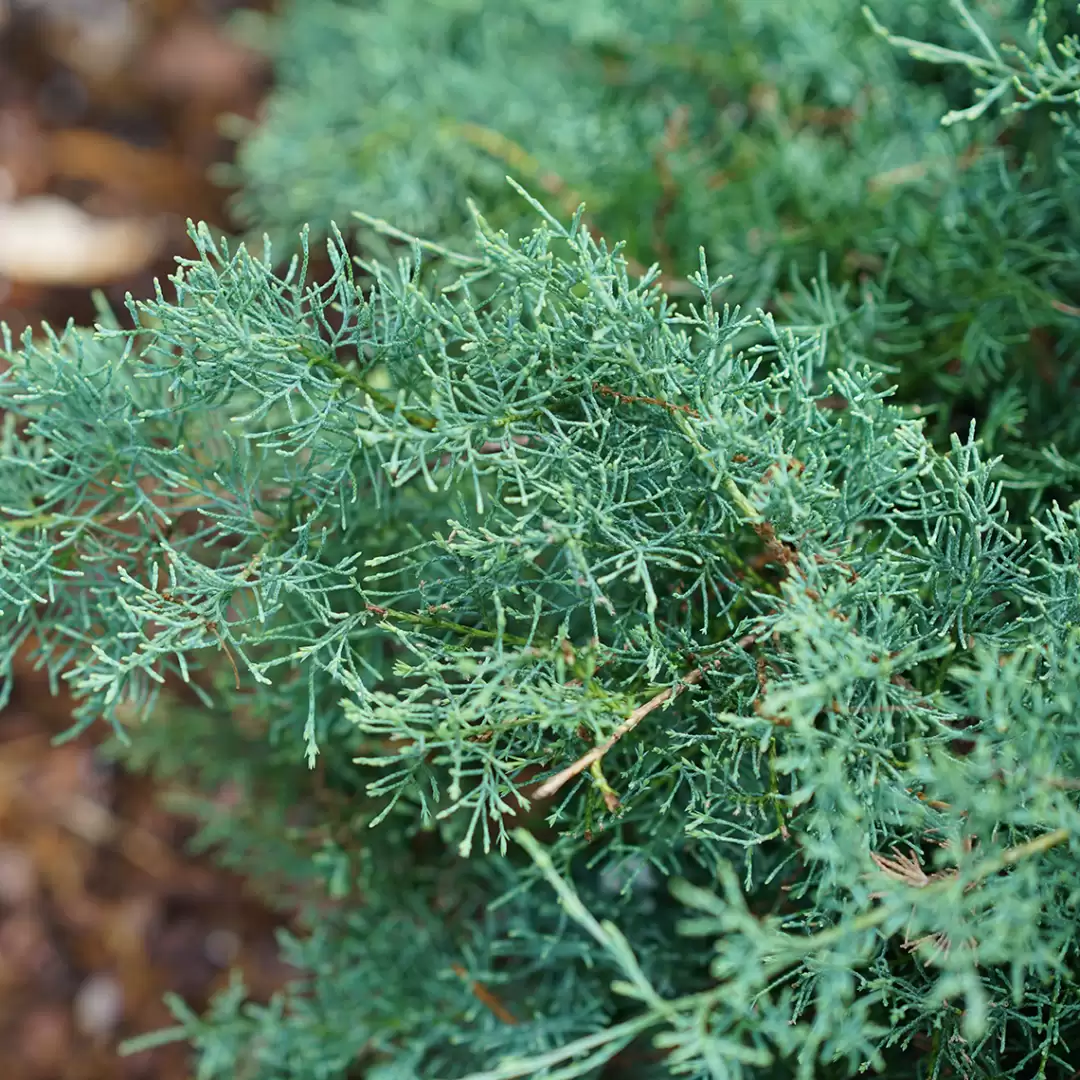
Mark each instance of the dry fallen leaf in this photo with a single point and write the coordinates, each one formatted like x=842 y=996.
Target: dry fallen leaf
x=99 y=1005
x=47 y=240
x=24 y=158
x=197 y=59
x=144 y=177
x=96 y=38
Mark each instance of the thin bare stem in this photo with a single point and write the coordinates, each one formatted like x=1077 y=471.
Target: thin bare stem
x=550 y=786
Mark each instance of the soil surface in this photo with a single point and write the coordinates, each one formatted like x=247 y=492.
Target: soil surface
x=108 y=138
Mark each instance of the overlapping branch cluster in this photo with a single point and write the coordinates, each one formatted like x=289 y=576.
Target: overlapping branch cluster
x=792 y=143
x=674 y=701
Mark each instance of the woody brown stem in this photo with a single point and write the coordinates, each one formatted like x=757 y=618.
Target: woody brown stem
x=550 y=786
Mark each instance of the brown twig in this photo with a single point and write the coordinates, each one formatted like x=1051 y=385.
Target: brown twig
x=211 y=626
x=484 y=995
x=637 y=399
x=550 y=786
x=918 y=170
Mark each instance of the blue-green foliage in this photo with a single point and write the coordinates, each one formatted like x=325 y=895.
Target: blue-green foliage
x=790 y=140
x=676 y=704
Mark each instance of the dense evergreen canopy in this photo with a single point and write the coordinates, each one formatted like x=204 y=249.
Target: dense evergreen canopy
x=627 y=671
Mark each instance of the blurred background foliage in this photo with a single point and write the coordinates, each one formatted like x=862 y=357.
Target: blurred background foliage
x=801 y=149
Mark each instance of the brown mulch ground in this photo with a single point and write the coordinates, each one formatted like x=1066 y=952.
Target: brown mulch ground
x=107 y=122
